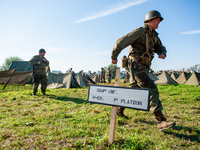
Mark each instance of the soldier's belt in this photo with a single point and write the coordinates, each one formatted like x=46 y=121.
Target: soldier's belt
x=40 y=71
x=137 y=60
x=145 y=60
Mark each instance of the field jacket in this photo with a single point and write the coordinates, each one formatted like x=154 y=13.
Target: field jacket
x=137 y=41
x=38 y=68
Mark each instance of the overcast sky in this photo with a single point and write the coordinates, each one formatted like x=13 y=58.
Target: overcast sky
x=81 y=33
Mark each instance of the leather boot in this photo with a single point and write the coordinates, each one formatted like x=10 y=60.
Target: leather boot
x=162 y=122
x=120 y=112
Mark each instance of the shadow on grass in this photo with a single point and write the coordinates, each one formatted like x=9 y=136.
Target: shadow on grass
x=66 y=99
x=191 y=138
x=145 y=121
x=148 y=122
x=179 y=128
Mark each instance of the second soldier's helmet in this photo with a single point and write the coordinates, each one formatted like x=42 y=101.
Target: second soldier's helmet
x=42 y=50
x=153 y=14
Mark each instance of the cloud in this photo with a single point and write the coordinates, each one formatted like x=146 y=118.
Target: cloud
x=191 y=32
x=55 y=49
x=13 y=40
x=101 y=53
x=111 y=9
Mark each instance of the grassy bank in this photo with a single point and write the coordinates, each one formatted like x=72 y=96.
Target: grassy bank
x=64 y=120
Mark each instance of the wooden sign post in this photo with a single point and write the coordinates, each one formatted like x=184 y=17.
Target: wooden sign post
x=114 y=113
x=116 y=96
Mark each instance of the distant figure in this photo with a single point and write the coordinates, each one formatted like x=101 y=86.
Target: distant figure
x=102 y=77
x=39 y=63
x=70 y=70
x=109 y=74
x=144 y=43
x=127 y=77
x=81 y=72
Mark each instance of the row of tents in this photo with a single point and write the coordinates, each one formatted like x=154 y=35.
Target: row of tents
x=175 y=78
x=23 y=75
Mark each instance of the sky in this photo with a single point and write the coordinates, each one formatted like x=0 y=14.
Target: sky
x=81 y=34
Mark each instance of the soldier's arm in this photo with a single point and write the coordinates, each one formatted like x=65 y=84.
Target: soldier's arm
x=124 y=41
x=159 y=48
x=33 y=61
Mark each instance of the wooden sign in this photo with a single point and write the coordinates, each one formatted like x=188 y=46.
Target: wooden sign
x=120 y=96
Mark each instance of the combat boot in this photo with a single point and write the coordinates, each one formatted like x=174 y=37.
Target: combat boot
x=120 y=112
x=162 y=122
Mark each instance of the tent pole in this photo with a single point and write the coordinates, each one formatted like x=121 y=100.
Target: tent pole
x=9 y=78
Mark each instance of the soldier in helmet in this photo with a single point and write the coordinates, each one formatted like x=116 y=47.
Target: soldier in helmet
x=144 y=43
x=102 y=76
x=39 y=63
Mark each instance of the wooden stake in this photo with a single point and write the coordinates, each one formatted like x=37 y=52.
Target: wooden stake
x=114 y=113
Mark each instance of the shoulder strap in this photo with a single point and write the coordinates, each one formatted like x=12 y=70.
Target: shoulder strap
x=147 y=47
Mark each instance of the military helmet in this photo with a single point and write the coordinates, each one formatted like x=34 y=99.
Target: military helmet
x=42 y=50
x=153 y=14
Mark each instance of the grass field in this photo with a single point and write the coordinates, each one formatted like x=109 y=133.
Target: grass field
x=64 y=120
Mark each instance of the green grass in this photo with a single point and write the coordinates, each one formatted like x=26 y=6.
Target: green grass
x=64 y=120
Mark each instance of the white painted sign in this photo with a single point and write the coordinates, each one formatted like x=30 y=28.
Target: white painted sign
x=120 y=96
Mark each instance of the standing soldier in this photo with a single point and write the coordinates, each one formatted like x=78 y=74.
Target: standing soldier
x=144 y=42
x=39 y=63
x=109 y=74
x=102 y=77
x=127 y=77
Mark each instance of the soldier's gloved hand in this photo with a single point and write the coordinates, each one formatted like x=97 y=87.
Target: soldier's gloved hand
x=38 y=62
x=114 y=61
x=162 y=56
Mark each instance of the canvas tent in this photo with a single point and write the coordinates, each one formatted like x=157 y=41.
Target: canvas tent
x=60 y=80
x=194 y=79
x=87 y=77
x=174 y=76
x=81 y=80
x=21 y=66
x=163 y=78
x=67 y=80
x=95 y=78
x=183 y=77
x=154 y=77
x=21 y=78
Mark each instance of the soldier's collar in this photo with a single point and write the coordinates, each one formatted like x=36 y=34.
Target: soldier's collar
x=146 y=28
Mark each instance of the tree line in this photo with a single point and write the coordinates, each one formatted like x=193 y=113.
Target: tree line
x=8 y=61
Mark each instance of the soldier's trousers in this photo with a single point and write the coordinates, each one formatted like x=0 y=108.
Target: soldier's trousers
x=142 y=80
x=37 y=80
x=109 y=79
x=102 y=79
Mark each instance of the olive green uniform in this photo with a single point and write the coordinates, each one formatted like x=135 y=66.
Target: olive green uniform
x=109 y=74
x=127 y=77
x=137 y=41
x=102 y=77
x=39 y=73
